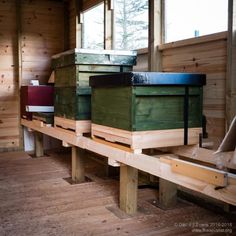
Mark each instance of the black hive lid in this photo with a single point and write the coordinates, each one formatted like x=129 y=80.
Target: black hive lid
x=147 y=79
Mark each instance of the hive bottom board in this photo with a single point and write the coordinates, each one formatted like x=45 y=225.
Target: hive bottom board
x=77 y=127
x=146 y=139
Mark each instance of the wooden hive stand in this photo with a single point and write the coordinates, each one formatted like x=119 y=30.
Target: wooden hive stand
x=41 y=121
x=77 y=127
x=137 y=140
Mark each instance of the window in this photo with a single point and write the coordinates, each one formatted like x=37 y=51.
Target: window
x=191 y=18
x=130 y=24
x=93 y=29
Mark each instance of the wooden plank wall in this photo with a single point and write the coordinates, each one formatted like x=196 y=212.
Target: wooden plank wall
x=72 y=25
x=42 y=36
x=142 y=60
x=207 y=54
x=9 y=132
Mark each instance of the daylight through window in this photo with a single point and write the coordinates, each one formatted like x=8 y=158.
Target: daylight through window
x=93 y=29
x=131 y=24
x=191 y=18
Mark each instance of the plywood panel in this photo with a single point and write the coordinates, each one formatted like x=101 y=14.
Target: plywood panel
x=209 y=57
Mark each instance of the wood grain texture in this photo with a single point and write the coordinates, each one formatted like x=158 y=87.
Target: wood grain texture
x=36 y=200
x=72 y=25
x=128 y=189
x=231 y=68
x=144 y=163
x=9 y=131
x=141 y=108
x=41 y=36
x=203 y=55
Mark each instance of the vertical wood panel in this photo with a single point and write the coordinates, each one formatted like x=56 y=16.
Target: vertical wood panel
x=9 y=132
x=72 y=25
x=42 y=37
x=210 y=58
x=231 y=65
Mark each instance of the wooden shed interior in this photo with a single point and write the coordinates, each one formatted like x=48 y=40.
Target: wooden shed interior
x=73 y=187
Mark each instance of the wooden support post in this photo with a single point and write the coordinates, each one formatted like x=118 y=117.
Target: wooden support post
x=78 y=164
x=156 y=30
x=108 y=24
x=18 y=65
x=231 y=64
x=167 y=194
x=128 y=189
x=66 y=26
x=78 y=9
x=38 y=138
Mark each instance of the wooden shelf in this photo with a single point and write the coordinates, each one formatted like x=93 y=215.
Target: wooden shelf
x=149 y=164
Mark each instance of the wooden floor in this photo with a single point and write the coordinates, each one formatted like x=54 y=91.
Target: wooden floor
x=35 y=199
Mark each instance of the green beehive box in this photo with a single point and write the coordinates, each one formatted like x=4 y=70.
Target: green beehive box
x=72 y=103
x=74 y=67
x=72 y=71
x=147 y=101
x=94 y=57
x=78 y=75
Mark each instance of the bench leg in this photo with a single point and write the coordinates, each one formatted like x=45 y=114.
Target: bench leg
x=38 y=138
x=78 y=173
x=128 y=189
x=167 y=194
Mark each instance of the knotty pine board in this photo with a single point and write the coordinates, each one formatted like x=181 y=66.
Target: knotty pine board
x=42 y=37
x=9 y=131
x=208 y=58
x=72 y=25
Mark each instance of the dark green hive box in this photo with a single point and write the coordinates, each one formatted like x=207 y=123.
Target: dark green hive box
x=94 y=57
x=73 y=103
x=74 y=67
x=72 y=71
x=147 y=101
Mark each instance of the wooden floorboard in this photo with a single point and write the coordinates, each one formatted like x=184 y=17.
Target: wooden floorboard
x=35 y=199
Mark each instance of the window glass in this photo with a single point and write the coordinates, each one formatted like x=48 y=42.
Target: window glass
x=130 y=24
x=191 y=18
x=93 y=29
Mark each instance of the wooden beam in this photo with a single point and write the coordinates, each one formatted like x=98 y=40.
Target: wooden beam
x=204 y=155
x=148 y=164
x=18 y=65
x=108 y=24
x=38 y=138
x=87 y=4
x=79 y=21
x=167 y=194
x=194 y=41
x=78 y=164
x=155 y=34
x=231 y=64
x=128 y=189
x=66 y=27
x=209 y=175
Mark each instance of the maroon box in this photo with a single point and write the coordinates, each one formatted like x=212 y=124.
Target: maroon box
x=41 y=95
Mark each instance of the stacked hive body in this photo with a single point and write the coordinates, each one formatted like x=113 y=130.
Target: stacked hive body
x=72 y=103
x=147 y=110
